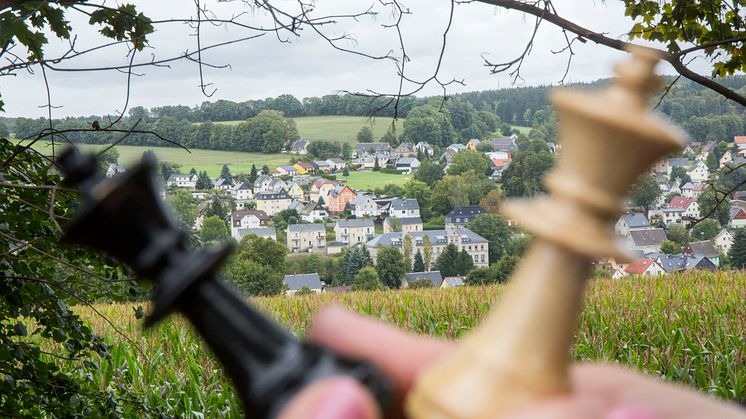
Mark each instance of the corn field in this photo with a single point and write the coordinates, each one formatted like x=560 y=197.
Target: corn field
x=689 y=328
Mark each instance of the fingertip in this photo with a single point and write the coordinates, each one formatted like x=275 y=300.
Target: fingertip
x=332 y=398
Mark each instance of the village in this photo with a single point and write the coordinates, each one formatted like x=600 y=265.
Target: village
x=332 y=216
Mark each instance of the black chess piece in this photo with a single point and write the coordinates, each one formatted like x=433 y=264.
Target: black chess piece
x=124 y=217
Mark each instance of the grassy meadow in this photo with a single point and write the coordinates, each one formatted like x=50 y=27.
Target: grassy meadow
x=338 y=128
x=372 y=180
x=688 y=328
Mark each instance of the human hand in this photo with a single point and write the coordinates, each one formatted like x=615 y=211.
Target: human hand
x=599 y=391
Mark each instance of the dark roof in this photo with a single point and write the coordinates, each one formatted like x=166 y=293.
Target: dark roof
x=405 y=204
x=296 y=282
x=299 y=144
x=306 y=228
x=434 y=277
x=650 y=237
x=259 y=231
x=238 y=215
x=405 y=220
x=265 y=196
x=704 y=248
x=503 y=144
x=437 y=237
x=636 y=220
x=363 y=222
x=466 y=210
x=679 y=162
x=365 y=147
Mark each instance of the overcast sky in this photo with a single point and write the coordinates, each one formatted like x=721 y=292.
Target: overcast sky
x=309 y=66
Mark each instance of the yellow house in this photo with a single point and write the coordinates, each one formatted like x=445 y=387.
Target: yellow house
x=472 y=144
x=301 y=170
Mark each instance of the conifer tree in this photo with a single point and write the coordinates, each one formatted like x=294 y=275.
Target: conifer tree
x=737 y=253
x=419 y=263
x=225 y=173
x=253 y=174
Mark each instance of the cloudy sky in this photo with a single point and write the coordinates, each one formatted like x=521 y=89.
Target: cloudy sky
x=308 y=65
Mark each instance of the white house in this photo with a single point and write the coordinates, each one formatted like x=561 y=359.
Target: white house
x=700 y=172
x=241 y=192
x=295 y=283
x=726 y=159
x=424 y=148
x=336 y=164
x=182 y=181
x=364 y=206
x=724 y=241
x=646 y=241
x=404 y=208
x=644 y=267
x=244 y=219
x=354 y=232
x=114 y=169
x=631 y=221
x=406 y=164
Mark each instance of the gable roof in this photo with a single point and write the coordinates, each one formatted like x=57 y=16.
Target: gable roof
x=454 y=281
x=681 y=202
x=339 y=189
x=636 y=220
x=704 y=248
x=404 y=221
x=433 y=277
x=259 y=231
x=299 y=144
x=649 y=237
x=265 y=196
x=356 y=223
x=376 y=147
x=296 y=282
x=740 y=139
x=405 y=204
x=437 y=237
x=306 y=228
x=639 y=266
x=679 y=162
x=503 y=144
x=465 y=210
x=236 y=216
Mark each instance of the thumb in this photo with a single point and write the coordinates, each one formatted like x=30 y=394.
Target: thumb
x=332 y=398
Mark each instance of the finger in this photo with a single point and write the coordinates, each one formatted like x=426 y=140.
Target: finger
x=333 y=398
x=400 y=356
x=561 y=408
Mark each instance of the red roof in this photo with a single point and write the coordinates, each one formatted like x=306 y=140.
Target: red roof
x=681 y=202
x=639 y=266
x=740 y=139
x=498 y=163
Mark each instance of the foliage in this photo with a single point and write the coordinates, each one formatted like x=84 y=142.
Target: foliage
x=463 y=263
x=352 y=260
x=518 y=245
x=446 y=261
x=490 y=203
x=39 y=279
x=391 y=266
x=429 y=172
x=225 y=174
x=645 y=192
x=737 y=254
x=183 y=207
x=693 y=22
x=326 y=266
x=464 y=189
x=213 y=229
x=419 y=263
x=428 y=124
x=203 y=182
x=258 y=266
x=497 y=232
x=469 y=160
x=705 y=230
x=525 y=175
x=427 y=252
x=714 y=205
x=390 y=136
x=420 y=283
x=670 y=247
x=679 y=174
x=323 y=150
x=496 y=273
x=110 y=156
x=4 y=132
x=284 y=218
x=367 y=280
x=266 y=252
x=414 y=189
x=678 y=233
x=365 y=135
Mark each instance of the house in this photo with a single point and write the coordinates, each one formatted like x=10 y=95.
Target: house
x=462 y=215
x=306 y=166
x=354 y=232
x=661 y=166
x=272 y=203
x=433 y=277
x=644 y=267
x=263 y=232
x=371 y=149
x=724 y=240
x=306 y=238
x=261 y=184
x=708 y=148
x=221 y=184
x=182 y=181
x=295 y=283
x=687 y=190
x=424 y=148
x=299 y=147
x=677 y=162
x=689 y=206
x=404 y=208
x=631 y=221
x=699 y=172
x=114 y=169
x=451 y=151
x=369 y=161
x=339 y=197
x=472 y=144
x=300 y=169
x=507 y=144
x=295 y=191
x=453 y=281
x=241 y=191
x=475 y=245
x=286 y=170
x=404 y=225
x=740 y=141
x=313 y=212
x=405 y=150
x=699 y=189
x=365 y=206
x=726 y=158
x=406 y=164
x=320 y=189
x=336 y=164
x=737 y=217
x=646 y=241
x=244 y=219
x=703 y=248
x=322 y=166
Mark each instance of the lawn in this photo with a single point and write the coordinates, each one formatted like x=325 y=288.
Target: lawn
x=372 y=180
x=338 y=128
x=208 y=160
x=522 y=130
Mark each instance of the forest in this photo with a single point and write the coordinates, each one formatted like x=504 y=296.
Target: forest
x=268 y=127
